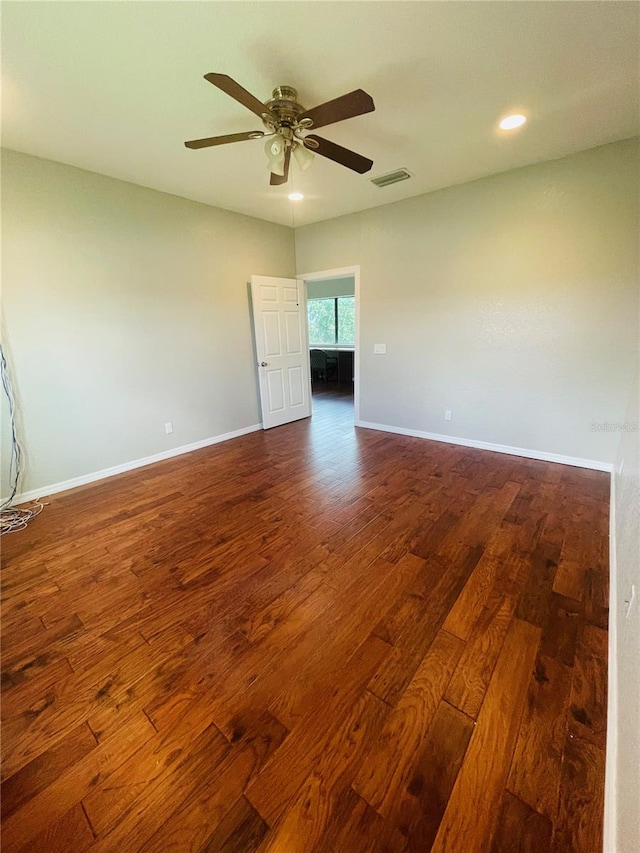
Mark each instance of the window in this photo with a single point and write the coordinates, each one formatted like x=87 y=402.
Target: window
x=332 y=321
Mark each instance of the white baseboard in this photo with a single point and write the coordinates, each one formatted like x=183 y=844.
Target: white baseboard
x=496 y=448
x=130 y=466
x=611 y=763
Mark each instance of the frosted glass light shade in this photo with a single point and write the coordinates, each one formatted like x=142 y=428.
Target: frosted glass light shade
x=304 y=157
x=275 y=151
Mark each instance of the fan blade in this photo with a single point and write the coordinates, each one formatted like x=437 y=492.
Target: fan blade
x=223 y=140
x=354 y=104
x=235 y=90
x=341 y=155
x=277 y=180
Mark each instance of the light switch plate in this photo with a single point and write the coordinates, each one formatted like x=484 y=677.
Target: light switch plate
x=380 y=349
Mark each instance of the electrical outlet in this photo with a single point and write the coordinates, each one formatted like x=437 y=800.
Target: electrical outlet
x=631 y=602
x=379 y=349
x=168 y=428
x=447 y=415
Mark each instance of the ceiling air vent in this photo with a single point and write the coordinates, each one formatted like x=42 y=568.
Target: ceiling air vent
x=391 y=178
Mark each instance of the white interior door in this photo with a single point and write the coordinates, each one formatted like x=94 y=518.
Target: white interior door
x=280 y=323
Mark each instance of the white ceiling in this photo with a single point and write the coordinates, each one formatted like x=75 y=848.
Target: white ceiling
x=116 y=88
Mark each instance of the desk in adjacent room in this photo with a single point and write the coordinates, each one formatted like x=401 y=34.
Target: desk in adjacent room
x=345 y=355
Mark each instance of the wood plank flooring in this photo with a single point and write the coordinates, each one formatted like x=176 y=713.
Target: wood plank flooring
x=310 y=639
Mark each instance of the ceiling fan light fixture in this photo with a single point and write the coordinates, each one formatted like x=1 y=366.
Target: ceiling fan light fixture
x=275 y=150
x=304 y=157
x=276 y=167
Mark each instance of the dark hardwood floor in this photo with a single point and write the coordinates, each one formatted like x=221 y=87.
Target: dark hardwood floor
x=310 y=639
x=334 y=390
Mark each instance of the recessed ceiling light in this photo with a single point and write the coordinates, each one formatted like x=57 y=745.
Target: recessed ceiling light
x=511 y=122
x=295 y=196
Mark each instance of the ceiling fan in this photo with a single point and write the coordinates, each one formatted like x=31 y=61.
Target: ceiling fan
x=287 y=123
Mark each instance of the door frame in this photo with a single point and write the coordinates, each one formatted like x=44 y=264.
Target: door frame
x=341 y=272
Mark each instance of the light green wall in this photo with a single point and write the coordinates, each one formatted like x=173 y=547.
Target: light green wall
x=510 y=300
x=125 y=308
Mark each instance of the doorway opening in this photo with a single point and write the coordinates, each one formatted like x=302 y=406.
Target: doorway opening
x=332 y=338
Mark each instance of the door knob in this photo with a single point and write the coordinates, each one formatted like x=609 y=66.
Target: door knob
x=264 y=364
